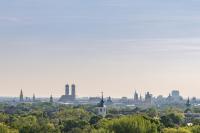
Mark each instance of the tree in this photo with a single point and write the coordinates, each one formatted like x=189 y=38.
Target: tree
x=171 y=120
x=152 y=112
x=195 y=129
x=72 y=124
x=4 y=118
x=178 y=130
x=6 y=129
x=130 y=124
x=94 y=119
x=26 y=124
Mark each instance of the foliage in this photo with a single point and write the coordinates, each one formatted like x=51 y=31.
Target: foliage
x=172 y=119
x=196 y=110
x=152 y=112
x=130 y=124
x=44 y=117
x=95 y=119
x=195 y=129
x=174 y=130
x=6 y=129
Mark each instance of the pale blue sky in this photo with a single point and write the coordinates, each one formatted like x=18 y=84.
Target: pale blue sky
x=112 y=45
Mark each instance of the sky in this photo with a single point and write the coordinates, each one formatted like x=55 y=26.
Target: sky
x=114 y=46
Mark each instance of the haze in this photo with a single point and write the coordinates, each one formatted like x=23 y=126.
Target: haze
x=115 y=46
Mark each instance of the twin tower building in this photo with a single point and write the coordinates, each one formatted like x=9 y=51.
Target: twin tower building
x=69 y=97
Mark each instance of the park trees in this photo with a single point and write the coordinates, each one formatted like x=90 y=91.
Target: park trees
x=129 y=124
x=171 y=119
x=5 y=129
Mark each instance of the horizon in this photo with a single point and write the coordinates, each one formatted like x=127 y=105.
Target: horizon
x=105 y=96
x=112 y=46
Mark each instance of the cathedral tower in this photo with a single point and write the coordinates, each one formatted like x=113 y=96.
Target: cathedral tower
x=67 y=90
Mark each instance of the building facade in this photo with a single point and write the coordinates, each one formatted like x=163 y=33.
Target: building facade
x=69 y=97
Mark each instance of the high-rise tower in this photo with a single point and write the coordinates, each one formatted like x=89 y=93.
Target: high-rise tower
x=67 y=90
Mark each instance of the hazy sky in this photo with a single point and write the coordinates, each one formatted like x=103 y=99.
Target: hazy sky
x=115 y=46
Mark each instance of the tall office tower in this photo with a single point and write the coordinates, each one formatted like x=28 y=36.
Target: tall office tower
x=175 y=94
x=73 y=91
x=21 y=98
x=66 y=89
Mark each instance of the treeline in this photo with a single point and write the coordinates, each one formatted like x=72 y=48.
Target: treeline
x=55 y=118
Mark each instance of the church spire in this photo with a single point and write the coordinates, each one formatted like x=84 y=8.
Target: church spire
x=101 y=104
x=33 y=97
x=51 y=99
x=21 y=98
x=188 y=102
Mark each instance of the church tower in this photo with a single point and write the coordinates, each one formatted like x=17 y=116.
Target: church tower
x=188 y=103
x=188 y=106
x=101 y=109
x=21 y=97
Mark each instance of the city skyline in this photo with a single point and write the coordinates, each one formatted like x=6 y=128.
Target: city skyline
x=116 y=46
x=71 y=94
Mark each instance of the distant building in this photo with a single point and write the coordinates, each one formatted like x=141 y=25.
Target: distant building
x=160 y=100
x=194 y=100
x=124 y=100
x=174 y=97
x=94 y=99
x=136 y=98
x=148 y=98
x=109 y=101
x=21 y=97
x=67 y=90
x=73 y=94
x=140 y=97
x=34 y=98
x=189 y=115
x=67 y=97
x=51 y=99
x=169 y=98
x=175 y=93
x=101 y=108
